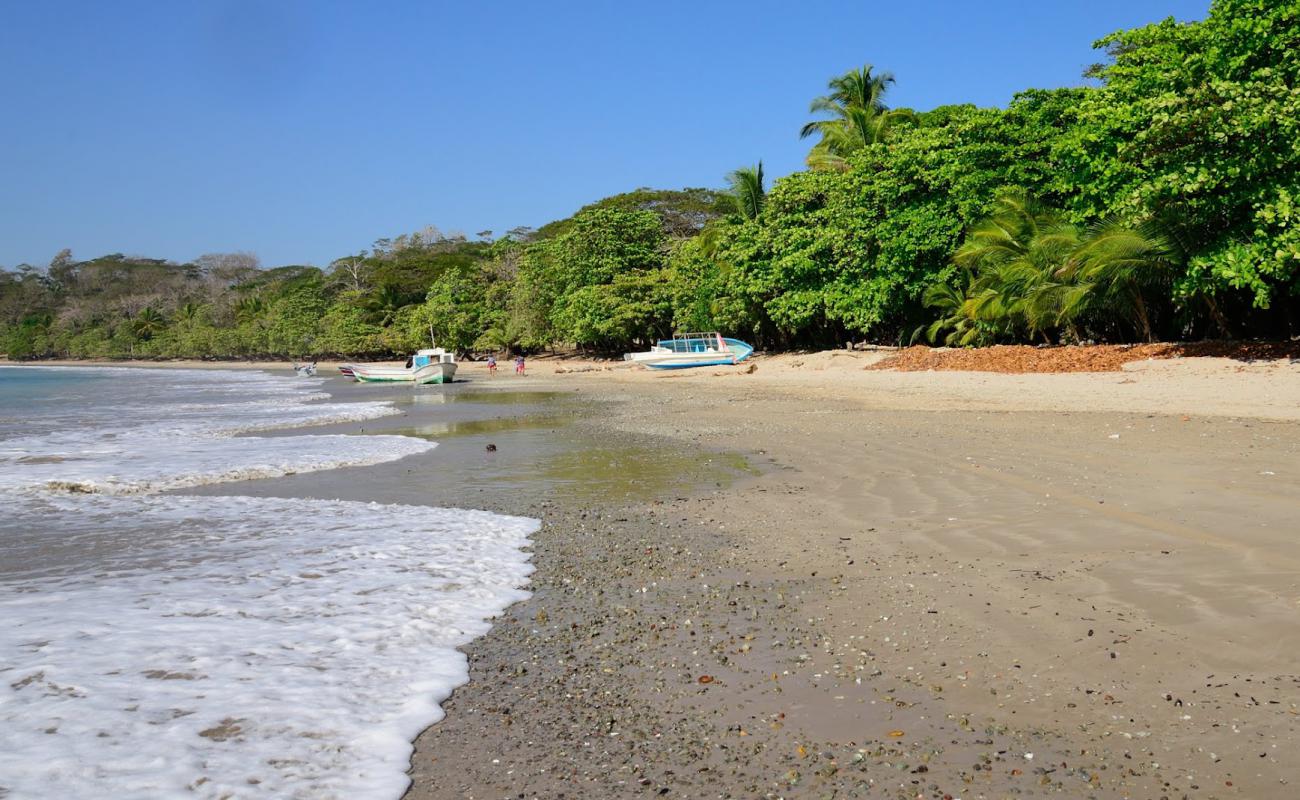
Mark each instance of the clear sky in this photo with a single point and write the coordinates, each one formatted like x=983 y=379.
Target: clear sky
x=303 y=131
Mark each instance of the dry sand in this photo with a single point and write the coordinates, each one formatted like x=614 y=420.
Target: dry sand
x=942 y=584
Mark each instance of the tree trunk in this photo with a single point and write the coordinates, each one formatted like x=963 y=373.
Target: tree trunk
x=1144 y=320
x=1218 y=316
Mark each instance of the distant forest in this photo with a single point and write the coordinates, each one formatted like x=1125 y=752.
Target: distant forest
x=1162 y=202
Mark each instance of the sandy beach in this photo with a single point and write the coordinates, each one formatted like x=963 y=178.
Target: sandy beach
x=939 y=585
x=903 y=421
x=815 y=580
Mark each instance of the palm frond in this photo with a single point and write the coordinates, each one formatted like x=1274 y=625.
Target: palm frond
x=858 y=114
x=822 y=158
x=826 y=105
x=747 y=188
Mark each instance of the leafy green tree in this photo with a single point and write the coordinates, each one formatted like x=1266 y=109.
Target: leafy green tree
x=29 y=337
x=1195 y=125
x=849 y=254
x=346 y=331
x=454 y=310
x=589 y=275
x=683 y=213
x=293 y=319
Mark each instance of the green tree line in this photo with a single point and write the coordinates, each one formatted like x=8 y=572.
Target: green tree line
x=1160 y=202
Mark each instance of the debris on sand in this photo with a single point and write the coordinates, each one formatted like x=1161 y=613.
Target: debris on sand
x=1025 y=358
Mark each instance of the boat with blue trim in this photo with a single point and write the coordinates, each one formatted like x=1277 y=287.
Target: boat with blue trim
x=431 y=365
x=693 y=350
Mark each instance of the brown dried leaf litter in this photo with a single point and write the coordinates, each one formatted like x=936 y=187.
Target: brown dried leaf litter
x=1074 y=358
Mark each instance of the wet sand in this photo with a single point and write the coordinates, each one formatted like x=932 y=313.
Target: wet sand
x=786 y=584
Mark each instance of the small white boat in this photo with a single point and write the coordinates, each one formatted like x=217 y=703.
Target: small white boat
x=304 y=370
x=432 y=365
x=692 y=350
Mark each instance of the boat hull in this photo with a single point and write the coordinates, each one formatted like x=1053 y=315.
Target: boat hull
x=442 y=372
x=684 y=361
x=369 y=374
x=664 y=358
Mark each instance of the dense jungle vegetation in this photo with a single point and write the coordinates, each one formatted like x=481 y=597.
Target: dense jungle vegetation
x=1163 y=202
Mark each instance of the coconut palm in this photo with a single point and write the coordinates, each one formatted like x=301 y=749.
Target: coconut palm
x=857 y=88
x=188 y=312
x=858 y=117
x=956 y=328
x=1121 y=263
x=747 y=187
x=859 y=129
x=148 y=323
x=1030 y=272
x=1015 y=257
x=248 y=309
x=384 y=304
x=711 y=239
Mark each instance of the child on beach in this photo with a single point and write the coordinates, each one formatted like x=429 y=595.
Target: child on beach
x=492 y=365
x=519 y=365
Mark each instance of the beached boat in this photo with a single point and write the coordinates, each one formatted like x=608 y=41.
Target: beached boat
x=692 y=350
x=432 y=365
x=346 y=369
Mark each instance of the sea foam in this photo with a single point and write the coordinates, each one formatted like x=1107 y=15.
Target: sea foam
x=154 y=430
x=176 y=646
x=263 y=647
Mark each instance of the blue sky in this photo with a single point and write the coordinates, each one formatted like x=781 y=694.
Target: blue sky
x=303 y=131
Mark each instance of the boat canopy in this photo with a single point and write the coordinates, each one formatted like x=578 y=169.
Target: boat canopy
x=692 y=350
x=695 y=343
x=436 y=355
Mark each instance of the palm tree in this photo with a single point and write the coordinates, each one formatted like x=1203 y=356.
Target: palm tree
x=1015 y=257
x=384 y=304
x=747 y=188
x=1008 y=233
x=1121 y=262
x=958 y=329
x=858 y=117
x=249 y=308
x=187 y=312
x=710 y=240
x=1029 y=271
x=494 y=338
x=147 y=323
x=857 y=88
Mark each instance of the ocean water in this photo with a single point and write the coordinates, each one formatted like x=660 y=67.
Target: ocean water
x=193 y=646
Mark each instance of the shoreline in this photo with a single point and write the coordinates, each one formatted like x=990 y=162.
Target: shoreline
x=988 y=566
x=829 y=616
x=1197 y=386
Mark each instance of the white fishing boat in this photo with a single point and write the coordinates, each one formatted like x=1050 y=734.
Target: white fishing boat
x=693 y=350
x=431 y=365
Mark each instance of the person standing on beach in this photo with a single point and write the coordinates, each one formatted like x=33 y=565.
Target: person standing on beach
x=519 y=364
x=492 y=365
